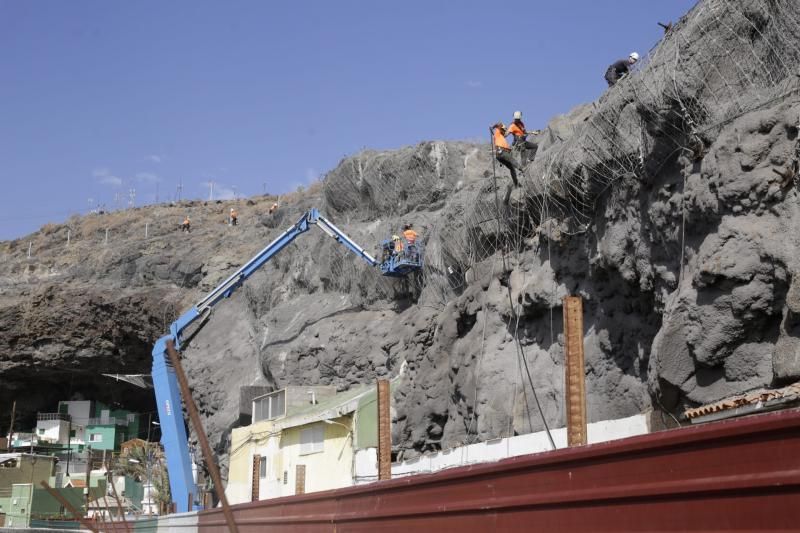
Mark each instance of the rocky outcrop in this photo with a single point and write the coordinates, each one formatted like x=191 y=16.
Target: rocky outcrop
x=669 y=205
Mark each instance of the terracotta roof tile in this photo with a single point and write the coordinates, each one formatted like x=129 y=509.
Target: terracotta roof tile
x=748 y=398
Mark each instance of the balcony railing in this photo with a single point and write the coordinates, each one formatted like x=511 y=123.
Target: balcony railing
x=53 y=416
x=107 y=421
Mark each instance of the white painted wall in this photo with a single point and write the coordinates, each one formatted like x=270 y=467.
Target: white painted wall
x=366 y=461
x=54 y=430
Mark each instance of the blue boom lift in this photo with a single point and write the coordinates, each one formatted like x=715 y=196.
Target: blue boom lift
x=395 y=263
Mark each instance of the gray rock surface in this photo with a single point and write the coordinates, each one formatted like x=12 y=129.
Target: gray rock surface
x=665 y=205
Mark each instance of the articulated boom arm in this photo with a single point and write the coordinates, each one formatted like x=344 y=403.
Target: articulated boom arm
x=168 y=396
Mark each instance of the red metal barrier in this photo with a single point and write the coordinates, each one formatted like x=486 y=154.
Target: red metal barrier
x=741 y=475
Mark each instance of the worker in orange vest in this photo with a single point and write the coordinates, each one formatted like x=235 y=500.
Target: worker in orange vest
x=186 y=226
x=409 y=234
x=527 y=147
x=273 y=208
x=502 y=152
x=234 y=217
x=411 y=238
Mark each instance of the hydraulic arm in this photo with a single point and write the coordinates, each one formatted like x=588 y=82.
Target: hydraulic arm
x=168 y=398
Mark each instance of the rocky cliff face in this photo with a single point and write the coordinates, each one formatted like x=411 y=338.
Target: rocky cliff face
x=670 y=205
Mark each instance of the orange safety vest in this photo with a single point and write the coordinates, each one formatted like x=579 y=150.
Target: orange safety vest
x=410 y=235
x=186 y=221
x=500 y=140
x=234 y=214
x=517 y=129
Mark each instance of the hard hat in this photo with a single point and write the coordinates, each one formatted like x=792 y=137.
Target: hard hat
x=500 y=125
x=634 y=56
x=395 y=238
x=231 y=210
x=517 y=115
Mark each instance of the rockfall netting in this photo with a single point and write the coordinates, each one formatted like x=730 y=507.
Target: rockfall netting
x=723 y=59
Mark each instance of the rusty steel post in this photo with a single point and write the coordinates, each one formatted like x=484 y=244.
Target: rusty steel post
x=256 y=485
x=85 y=523
x=574 y=373
x=384 y=431
x=300 y=479
x=194 y=417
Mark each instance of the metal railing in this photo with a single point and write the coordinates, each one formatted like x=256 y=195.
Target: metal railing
x=54 y=416
x=107 y=421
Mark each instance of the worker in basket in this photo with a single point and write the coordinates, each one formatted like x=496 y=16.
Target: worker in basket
x=411 y=239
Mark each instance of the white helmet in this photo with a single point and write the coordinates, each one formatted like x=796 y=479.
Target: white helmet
x=231 y=210
x=634 y=56
x=517 y=115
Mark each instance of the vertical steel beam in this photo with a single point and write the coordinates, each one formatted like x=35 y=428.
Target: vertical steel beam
x=194 y=417
x=254 y=490
x=575 y=383
x=384 y=431
x=300 y=479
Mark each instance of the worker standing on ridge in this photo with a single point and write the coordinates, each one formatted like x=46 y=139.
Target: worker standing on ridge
x=527 y=148
x=186 y=226
x=502 y=152
x=273 y=208
x=234 y=217
x=620 y=68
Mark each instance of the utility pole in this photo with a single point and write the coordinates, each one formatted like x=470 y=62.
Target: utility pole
x=180 y=188
x=131 y=197
x=11 y=429
x=211 y=192
x=88 y=476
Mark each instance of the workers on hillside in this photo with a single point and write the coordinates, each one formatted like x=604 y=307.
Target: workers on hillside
x=526 y=147
x=234 y=217
x=620 y=68
x=502 y=151
x=186 y=226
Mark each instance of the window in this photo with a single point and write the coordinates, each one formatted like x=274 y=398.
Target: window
x=41 y=431
x=262 y=467
x=311 y=439
x=272 y=405
x=72 y=433
x=95 y=437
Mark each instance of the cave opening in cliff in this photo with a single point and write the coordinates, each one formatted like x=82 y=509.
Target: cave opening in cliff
x=53 y=386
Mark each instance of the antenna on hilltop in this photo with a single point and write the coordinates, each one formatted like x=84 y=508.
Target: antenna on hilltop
x=180 y=188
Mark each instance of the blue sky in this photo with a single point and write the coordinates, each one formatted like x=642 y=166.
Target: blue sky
x=100 y=97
